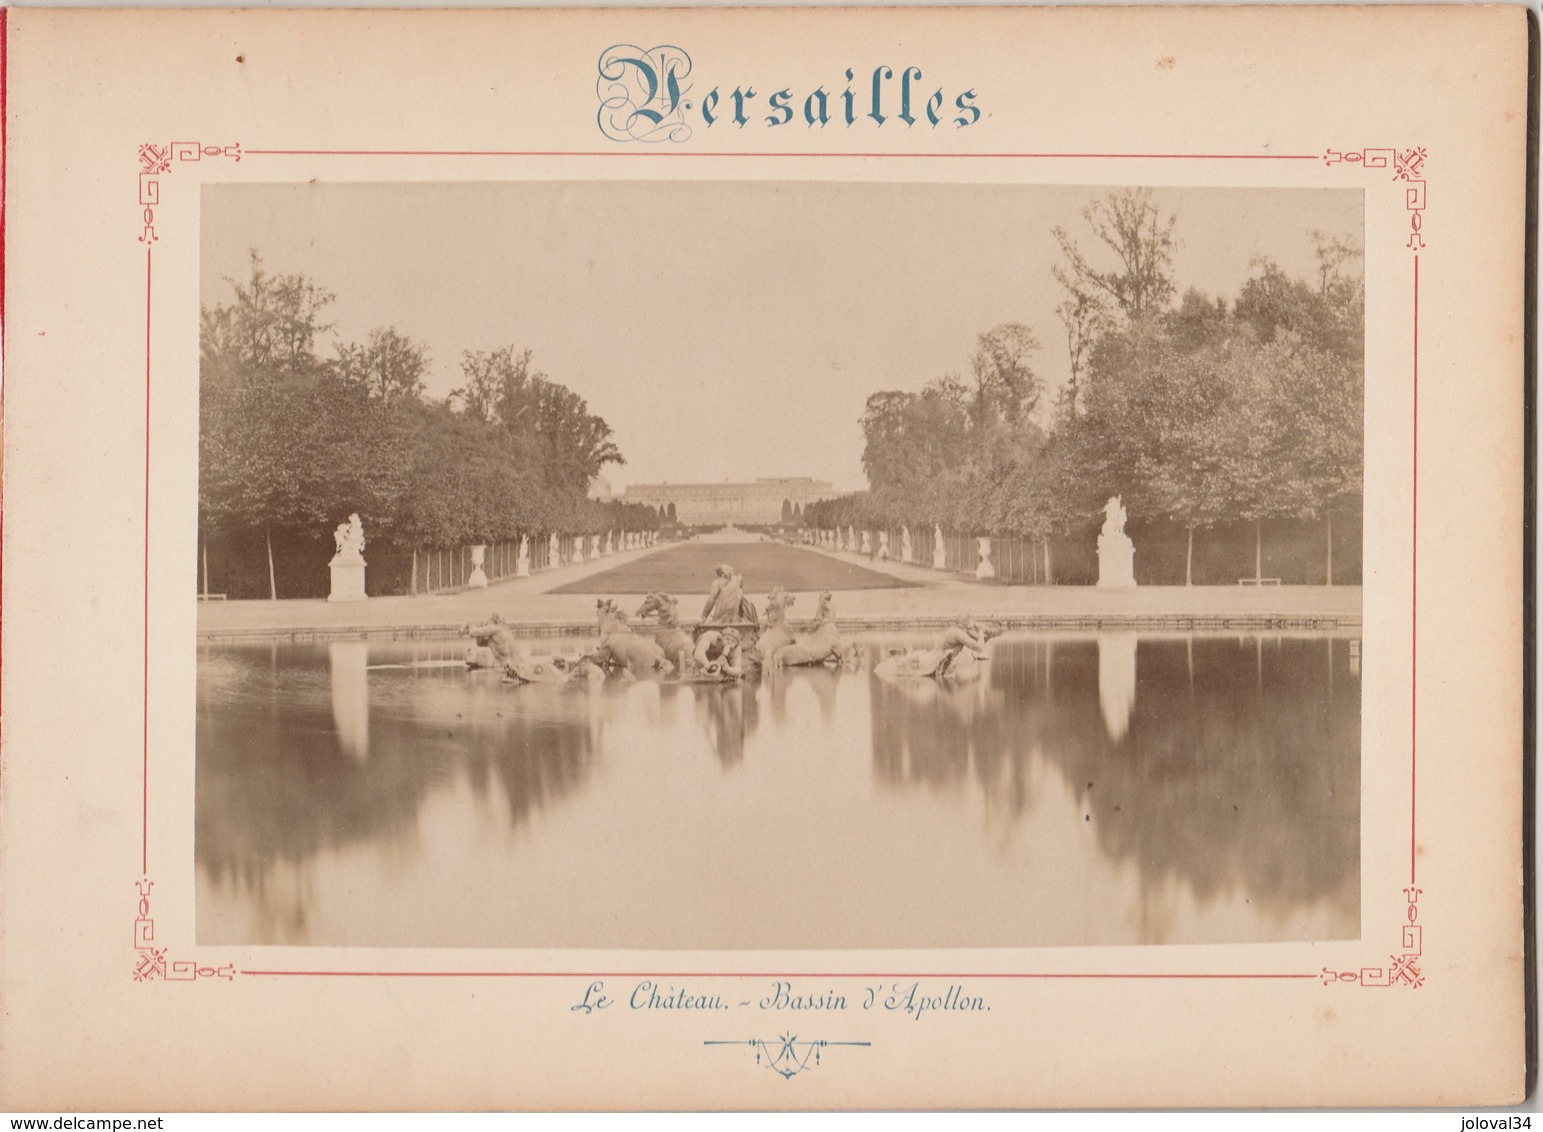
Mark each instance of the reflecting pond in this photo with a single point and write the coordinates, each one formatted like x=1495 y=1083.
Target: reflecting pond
x=1108 y=788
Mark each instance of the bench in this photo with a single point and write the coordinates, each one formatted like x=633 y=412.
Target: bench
x=1258 y=581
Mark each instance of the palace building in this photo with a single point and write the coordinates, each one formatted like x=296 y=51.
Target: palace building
x=721 y=504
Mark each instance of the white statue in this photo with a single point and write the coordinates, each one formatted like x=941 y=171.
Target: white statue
x=554 y=551
x=907 y=555
x=522 y=560
x=349 y=538
x=883 y=546
x=867 y=542
x=1116 y=553
x=347 y=565
x=1114 y=517
x=939 y=548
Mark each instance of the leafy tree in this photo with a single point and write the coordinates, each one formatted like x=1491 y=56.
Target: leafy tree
x=1085 y=316
x=911 y=438
x=1329 y=317
x=389 y=365
x=269 y=333
x=1128 y=224
x=1006 y=390
x=289 y=444
x=488 y=374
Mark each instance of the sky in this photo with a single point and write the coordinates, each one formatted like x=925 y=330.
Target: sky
x=726 y=330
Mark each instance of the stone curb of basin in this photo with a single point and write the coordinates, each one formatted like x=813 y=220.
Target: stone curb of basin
x=1350 y=624
x=932 y=601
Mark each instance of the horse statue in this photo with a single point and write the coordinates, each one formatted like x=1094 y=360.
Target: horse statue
x=823 y=643
x=668 y=633
x=775 y=633
x=959 y=653
x=624 y=648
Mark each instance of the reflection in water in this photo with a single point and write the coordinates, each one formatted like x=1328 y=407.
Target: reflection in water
x=728 y=715
x=351 y=696
x=1117 y=681
x=1072 y=790
x=1236 y=774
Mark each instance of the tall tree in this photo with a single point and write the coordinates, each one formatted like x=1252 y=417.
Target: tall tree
x=1085 y=316
x=1007 y=390
x=1128 y=224
x=388 y=365
x=271 y=329
x=491 y=376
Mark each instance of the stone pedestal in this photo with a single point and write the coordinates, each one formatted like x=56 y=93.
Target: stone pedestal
x=985 y=571
x=478 y=576
x=347 y=581
x=522 y=567
x=1116 y=562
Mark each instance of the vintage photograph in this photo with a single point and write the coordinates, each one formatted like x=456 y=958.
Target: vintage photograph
x=661 y=564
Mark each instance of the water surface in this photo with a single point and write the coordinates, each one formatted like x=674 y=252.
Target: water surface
x=1079 y=790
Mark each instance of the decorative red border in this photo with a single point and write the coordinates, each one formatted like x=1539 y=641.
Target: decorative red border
x=1403 y=969
x=155 y=160
x=1408 y=166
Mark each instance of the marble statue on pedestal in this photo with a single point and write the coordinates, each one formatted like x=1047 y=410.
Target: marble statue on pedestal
x=1116 y=553
x=907 y=555
x=883 y=546
x=522 y=560
x=939 y=549
x=347 y=564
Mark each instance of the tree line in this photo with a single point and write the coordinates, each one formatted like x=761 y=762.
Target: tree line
x=1204 y=412
x=292 y=441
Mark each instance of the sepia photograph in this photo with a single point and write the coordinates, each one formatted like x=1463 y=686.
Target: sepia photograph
x=766 y=559
x=737 y=565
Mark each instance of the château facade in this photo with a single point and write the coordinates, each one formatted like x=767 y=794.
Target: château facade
x=719 y=504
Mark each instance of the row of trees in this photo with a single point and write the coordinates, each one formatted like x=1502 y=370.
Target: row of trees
x=1203 y=413
x=292 y=441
